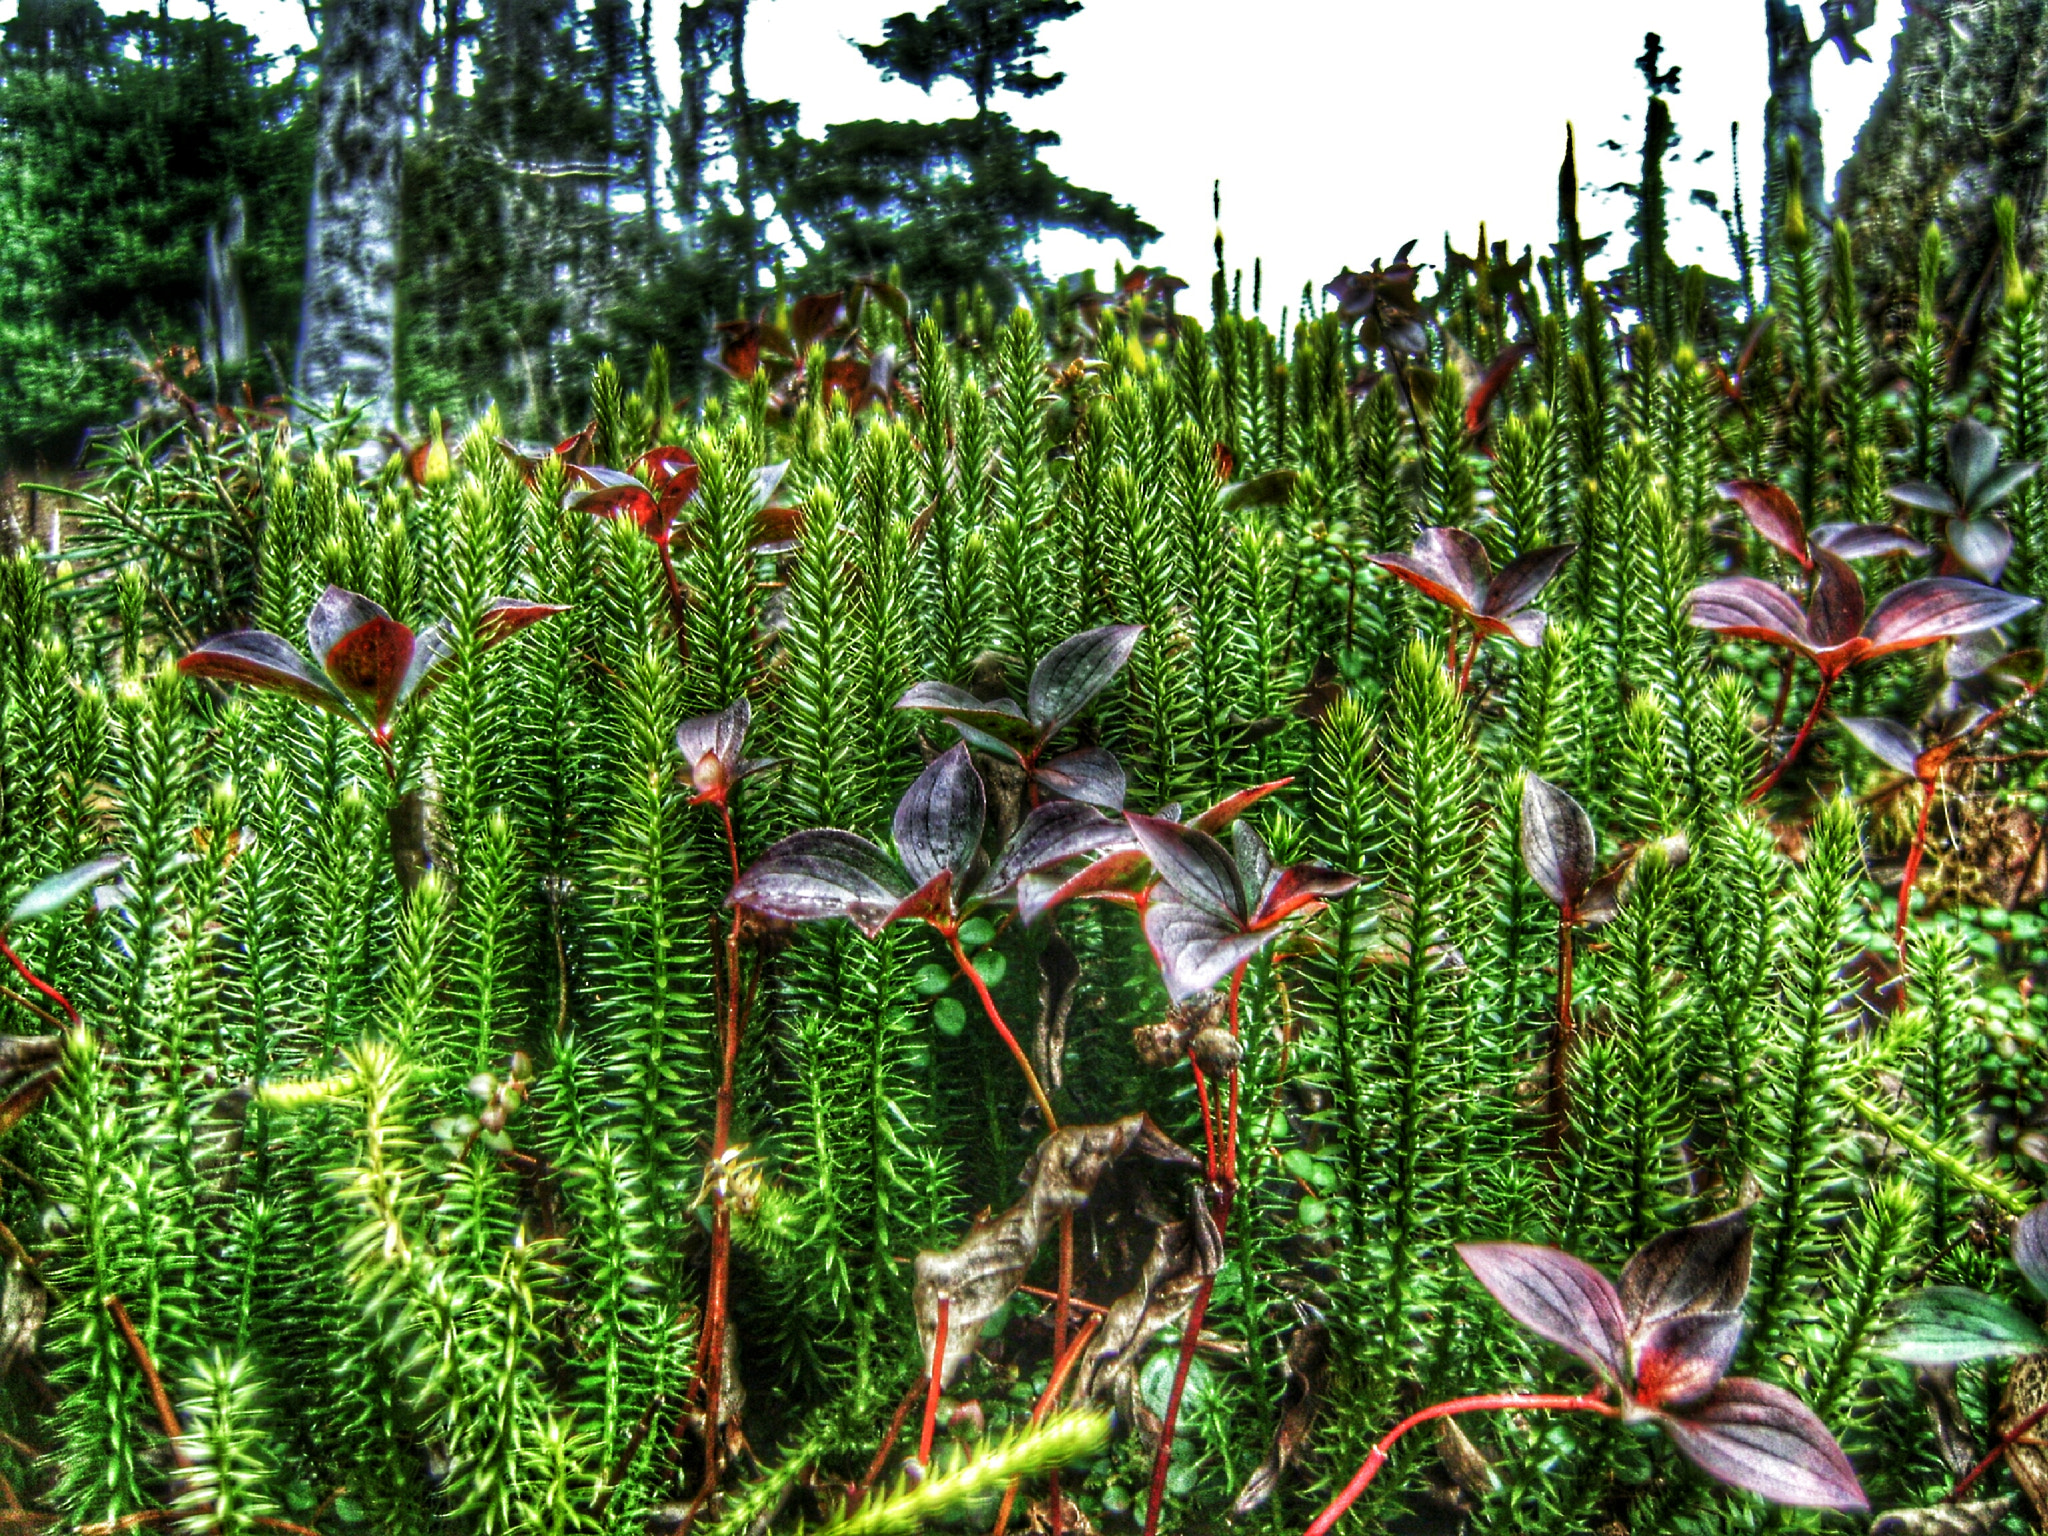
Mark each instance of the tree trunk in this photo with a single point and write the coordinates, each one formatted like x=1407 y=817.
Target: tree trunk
x=1790 y=117
x=348 y=336
x=1959 y=123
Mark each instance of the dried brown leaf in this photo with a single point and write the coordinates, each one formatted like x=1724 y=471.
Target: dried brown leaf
x=1308 y=1353
x=980 y=1274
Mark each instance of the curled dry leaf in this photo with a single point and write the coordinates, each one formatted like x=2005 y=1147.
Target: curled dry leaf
x=1308 y=1357
x=1982 y=1518
x=979 y=1275
x=1172 y=1274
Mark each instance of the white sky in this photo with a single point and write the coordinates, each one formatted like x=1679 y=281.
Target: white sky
x=1337 y=126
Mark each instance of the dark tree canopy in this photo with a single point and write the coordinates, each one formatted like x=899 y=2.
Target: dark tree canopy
x=987 y=45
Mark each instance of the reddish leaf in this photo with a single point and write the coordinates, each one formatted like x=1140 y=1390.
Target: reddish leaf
x=813 y=316
x=337 y=613
x=939 y=819
x=1117 y=876
x=1748 y=609
x=1556 y=1297
x=1298 y=886
x=710 y=746
x=1193 y=864
x=1679 y=1359
x=1220 y=815
x=1558 y=847
x=504 y=617
x=369 y=665
x=1446 y=565
x=1771 y=513
x=1940 y=608
x=930 y=902
x=823 y=874
x=1496 y=378
x=1196 y=948
x=261 y=660
x=1053 y=833
x=1760 y=1438
x=611 y=493
x=1835 y=615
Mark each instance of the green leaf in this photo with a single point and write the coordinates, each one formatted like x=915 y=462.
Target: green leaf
x=993 y=968
x=949 y=1015
x=1947 y=1325
x=59 y=891
x=932 y=979
x=975 y=932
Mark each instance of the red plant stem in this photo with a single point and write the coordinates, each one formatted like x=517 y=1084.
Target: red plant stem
x=988 y=1006
x=716 y=1290
x=38 y=983
x=1451 y=645
x=165 y=1415
x=1492 y=1402
x=1820 y=700
x=1208 y=1121
x=1561 y=1039
x=1230 y=1142
x=2005 y=1443
x=1784 y=696
x=931 y=1396
x=1471 y=655
x=1063 y=1367
x=1059 y=1352
x=1913 y=857
x=888 y=1444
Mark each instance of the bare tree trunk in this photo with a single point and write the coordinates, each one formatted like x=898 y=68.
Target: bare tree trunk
x=1959 y=124
x=1790 y=117
x=347 y=337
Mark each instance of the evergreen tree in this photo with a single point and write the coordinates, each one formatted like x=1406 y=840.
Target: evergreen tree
x=130 y=147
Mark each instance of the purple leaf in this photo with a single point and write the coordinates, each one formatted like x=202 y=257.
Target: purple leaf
x=338 y=612
x=1760 y=1438
x=1749 y=609
x=1700 y=1268
x=1556 y=1297
x=1196 y=948
x=1558 y=848
x=2001 y=483
x=1194 y=864
x=1070 y=675
x=1972 y=458
x=58 y=891
x=2030 y=1247
x=1090 y=774
x=1771 y=513
x=939 y=819
x=1889 y=742
x=1863 y=541
x=767 y=481
x=1516 y=587
x=822 y=874
x=719 y=737
x=1982 y=545
x=1054 y=832
x=998 y=718
x=432 y=649
x=1939 y=608
x=1679 y=1359
x=1446 y=565
x=1925 y=497
x=1835 y=615
x=262 y=660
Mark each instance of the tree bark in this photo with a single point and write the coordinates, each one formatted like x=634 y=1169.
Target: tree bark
x=347 y=337
x=1959 y=123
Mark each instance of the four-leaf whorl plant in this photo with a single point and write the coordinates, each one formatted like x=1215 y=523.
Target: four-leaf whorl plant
x=371 y=666
x=1661 y=1343
x=1450 y=566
